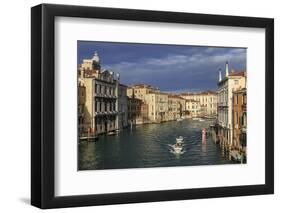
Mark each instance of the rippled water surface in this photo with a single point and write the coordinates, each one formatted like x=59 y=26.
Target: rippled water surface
x=149 y=146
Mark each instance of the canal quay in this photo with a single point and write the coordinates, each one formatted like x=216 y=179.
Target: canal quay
x=149 y=145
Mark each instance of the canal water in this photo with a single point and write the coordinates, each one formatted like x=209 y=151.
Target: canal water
x=149 y=145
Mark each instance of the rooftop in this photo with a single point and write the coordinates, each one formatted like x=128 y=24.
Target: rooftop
x=233 y=74
x=175 y=96
x=238 y=73
x=208 y=92
x=143 y=86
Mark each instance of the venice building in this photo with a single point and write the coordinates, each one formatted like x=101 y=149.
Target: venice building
x=193 y=108
x=81 y=108
x=240 y=120
x=207 y=101
x=157 y=107
x=141 y=103
x=176 y=107
x=139 y=91
x=104 y=96
x=226 y=86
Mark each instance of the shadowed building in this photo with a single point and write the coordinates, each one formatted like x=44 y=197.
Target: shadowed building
x=122 y=107
x=176 y=107
x=134 y=110
x=240 y=119
x=81 y=108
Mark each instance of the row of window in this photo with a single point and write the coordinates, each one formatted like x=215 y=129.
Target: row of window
x=242 y=120
x=104 y=106
x=223 y=116
x=223 y=97
x=102 y=89
x=244 y=99
x=204 y=99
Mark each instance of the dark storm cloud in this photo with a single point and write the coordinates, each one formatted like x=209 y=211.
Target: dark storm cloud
x=169 y=67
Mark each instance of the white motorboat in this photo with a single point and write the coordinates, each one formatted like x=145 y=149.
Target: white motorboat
x=179 y=139
x=177 y=148
x=180 y=119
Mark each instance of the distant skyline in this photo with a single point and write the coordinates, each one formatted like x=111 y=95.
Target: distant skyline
x=172 y=68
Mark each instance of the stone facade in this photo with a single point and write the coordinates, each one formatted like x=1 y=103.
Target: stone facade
x=193 y=108
x=134 y=110
x=101 y=104
x=122 y=107
x=226 y=86
x=140 y=90
x=157 y=106
x=207 y=101
x=81 y=108
x=176 y=107
x=240 y=119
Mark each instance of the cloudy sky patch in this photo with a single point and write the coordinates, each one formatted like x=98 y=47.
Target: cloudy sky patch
x=169 y=67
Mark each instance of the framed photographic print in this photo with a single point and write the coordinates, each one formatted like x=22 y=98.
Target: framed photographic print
x=140 y=106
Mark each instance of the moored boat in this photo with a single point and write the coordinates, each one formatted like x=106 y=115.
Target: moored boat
x=111 y=133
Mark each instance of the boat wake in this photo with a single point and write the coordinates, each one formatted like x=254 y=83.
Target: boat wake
x=177 y=153
x=173 y=151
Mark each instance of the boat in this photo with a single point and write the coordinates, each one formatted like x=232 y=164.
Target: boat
x=235 y=156
x=195 y=119
x=111 y=133
x=201 y=120
x=177 y=148
x=179 y=139
x=180 y=119
x=88 y=138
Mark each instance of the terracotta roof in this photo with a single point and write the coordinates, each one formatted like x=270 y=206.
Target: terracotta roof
x=240 y=73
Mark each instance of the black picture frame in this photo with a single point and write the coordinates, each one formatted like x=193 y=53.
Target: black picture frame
x=43 y=105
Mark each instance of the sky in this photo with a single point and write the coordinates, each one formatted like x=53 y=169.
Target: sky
x=172 y=68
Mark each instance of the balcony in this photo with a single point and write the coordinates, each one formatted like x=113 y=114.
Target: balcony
x=101 y=95
x=100 y=113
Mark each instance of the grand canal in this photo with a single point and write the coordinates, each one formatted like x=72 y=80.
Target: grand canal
x=149 y=146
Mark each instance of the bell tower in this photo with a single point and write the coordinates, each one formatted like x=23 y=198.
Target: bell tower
x=226 y=69
x=96 y=61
